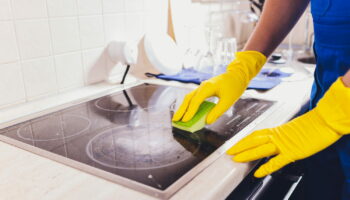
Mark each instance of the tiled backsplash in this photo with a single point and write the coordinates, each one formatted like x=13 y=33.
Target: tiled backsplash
x=50 y=46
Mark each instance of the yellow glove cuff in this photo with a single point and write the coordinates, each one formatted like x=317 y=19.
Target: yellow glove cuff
x=334 y=107
x=248 y=63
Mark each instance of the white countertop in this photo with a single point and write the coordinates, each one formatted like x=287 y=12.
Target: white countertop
x=24 y=175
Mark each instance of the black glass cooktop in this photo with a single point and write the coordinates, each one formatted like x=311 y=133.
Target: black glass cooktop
x=129 y=134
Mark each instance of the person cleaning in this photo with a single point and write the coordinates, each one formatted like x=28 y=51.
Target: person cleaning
x=319 y=136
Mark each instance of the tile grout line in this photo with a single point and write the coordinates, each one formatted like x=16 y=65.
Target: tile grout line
x=50 y=56
x=70 y=16
x=19 y=61
x=52 y=53
x=105 y=45
x=81 y=46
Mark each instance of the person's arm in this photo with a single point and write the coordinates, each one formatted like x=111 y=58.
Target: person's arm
x=277 y=19
x=302 y=136
x=346 y=79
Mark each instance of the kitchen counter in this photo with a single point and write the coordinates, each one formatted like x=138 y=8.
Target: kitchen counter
x=24 y=175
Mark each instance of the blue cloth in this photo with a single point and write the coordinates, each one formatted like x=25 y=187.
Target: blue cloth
x=186 y=76
x=328 y=172
x=266 y=79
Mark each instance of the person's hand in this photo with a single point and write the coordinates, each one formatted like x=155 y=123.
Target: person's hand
x=301 y=137
x=228 y=87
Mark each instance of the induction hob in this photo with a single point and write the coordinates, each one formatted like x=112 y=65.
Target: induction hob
x=127 y=137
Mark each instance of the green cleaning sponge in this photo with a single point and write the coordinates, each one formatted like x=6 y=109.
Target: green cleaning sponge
x=198 y=120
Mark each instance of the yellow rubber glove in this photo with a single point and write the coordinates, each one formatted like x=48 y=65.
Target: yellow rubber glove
x=301 y=137
x=228 y=87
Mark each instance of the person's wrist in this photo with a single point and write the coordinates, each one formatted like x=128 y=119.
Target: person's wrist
x=346 y=79
x=247 y=63
x=333 y=107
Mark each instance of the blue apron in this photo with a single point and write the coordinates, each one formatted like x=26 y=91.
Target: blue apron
x=328 y=172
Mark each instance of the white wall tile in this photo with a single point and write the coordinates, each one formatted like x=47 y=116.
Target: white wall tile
x=134 y=5
x=39 y=77
x=136 y=31
x=58 y=8
x=89 y=7
x=8 y=46
x=60 y=44
x=152 y=5
x=155 y=19
x=29 y=9
x=11 y=87
x=152 y=23
x=114 y=27
x=5 y=11
x=69 y=69
x=91 y=31
x=162 y=12
x=65 y=35
x=33 y=38
x=94 y=61
x=113 y=6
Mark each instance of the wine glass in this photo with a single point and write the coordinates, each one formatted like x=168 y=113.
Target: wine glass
x=207 y=62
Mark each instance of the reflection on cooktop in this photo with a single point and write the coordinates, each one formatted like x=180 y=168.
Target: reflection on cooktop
x=143 y=147
x=68 y=126
x=129 y=134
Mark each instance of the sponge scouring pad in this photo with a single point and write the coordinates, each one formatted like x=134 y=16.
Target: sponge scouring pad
x=198 y=120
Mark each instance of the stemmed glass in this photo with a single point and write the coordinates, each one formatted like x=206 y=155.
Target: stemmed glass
x=207 y=62
x=227 y=49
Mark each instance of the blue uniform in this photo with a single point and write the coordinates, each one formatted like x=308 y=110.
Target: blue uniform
x=328 y=172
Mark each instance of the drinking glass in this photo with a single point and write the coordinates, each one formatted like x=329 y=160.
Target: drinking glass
x=207 y=62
